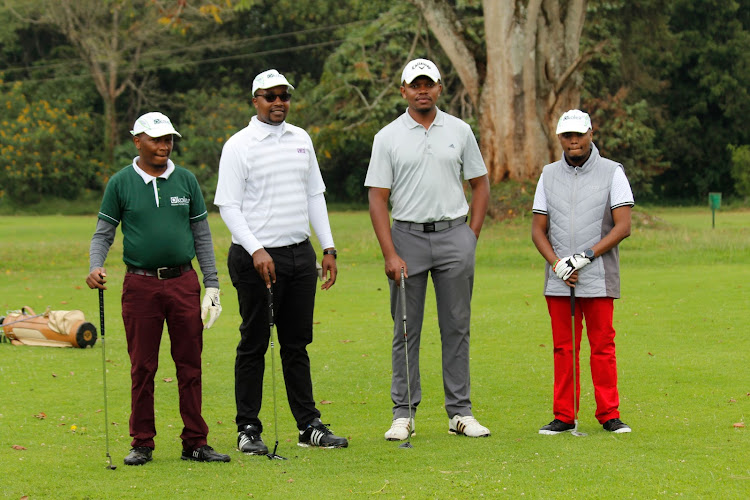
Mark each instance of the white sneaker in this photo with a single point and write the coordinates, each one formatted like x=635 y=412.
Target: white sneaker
x=400 y=428
x=468 y=426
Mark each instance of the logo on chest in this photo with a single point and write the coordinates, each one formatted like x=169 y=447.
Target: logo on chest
x=177 y=201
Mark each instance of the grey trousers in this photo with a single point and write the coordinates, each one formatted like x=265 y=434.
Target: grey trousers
x=449 y=257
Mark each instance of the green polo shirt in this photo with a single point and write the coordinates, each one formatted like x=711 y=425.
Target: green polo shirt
x=155 y=219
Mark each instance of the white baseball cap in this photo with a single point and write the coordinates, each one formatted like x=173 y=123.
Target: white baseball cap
x=270 y=78
x=420 y=67
x=574 y=120
x=154 y=124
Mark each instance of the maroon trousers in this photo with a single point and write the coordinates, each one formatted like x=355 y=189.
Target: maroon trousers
x=598 y=314
x=146 y=303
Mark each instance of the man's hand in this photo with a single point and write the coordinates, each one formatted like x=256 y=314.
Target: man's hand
x=563 y=268
x=97 y=278
x=579 y=261
x=263 y=263
x=210 y=304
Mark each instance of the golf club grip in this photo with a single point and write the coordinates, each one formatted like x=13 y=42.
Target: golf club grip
x=101 y=312
x=402 y=290
x=572 y=301
x=270 y=307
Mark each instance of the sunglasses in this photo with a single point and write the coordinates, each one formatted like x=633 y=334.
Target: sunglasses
x=285 y=97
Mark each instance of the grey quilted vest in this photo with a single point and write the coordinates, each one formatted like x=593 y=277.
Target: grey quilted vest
x=578 y=216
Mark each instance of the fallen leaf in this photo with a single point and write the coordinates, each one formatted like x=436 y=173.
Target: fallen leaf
x=219 y=422
x=345 y=341
x=72 y=374
x=41 y=415
x=365 y=355
x=167 y=379
x=542 y=345
x=20 y=448
x=63 y=302
x=326 y=402
x=732 y=400
x=739 y=425
x=650 y=354
x=54 y=375
x=290 y=480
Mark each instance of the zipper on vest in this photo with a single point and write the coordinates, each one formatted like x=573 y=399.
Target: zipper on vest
x=573 y=211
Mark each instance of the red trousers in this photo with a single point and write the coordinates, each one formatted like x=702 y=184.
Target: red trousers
x=597 y=313
x=146 y=303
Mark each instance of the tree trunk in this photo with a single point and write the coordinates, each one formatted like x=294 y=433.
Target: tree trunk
x=532 y=49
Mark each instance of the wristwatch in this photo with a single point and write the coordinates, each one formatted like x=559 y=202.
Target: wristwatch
x=331 y=251
x=589 y=253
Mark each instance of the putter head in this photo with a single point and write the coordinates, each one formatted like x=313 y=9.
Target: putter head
x=576 y=432
x=111 y=467
x=406 y=445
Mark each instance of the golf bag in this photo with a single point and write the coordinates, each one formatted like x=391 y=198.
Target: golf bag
x=50 y=329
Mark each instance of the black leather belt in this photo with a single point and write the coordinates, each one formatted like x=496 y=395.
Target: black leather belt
x=163 y=273
x=433 y=227
x=295 y=245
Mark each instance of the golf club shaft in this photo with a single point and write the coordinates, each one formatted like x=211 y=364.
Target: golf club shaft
x=402 y=285
x=104 y=373
x=573 y=330
x=273 y=369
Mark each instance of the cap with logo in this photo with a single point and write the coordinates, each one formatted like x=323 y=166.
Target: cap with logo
x=270 y=78
x=154 y=124
x=420 y=67
x=574 y=120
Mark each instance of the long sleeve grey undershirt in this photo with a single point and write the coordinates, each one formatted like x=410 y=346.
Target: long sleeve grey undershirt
x=104 y=236
x=204 y=251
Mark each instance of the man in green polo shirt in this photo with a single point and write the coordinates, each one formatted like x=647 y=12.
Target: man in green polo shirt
x=164 y=226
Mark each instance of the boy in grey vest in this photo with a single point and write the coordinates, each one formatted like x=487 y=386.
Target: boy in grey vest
x=581 y=213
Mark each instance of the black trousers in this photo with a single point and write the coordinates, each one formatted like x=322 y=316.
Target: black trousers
x=293 y=304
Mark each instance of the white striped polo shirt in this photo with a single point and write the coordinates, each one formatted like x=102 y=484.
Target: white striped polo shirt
x=269 y=172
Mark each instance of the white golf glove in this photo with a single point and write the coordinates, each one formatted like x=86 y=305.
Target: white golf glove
x=563 y=268
x=210 y=304
x=579 y=261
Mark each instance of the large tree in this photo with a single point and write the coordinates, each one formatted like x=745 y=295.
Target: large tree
x=121 y=42
x=527 y=76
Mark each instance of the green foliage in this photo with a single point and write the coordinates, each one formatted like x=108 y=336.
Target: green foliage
x=209 y=119
x=707 y=101
x=741 y=169
x=46 y=149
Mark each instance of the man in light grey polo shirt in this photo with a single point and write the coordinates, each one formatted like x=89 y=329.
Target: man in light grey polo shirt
x=419 y=162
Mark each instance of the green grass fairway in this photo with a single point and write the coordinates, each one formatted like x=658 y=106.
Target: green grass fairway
x=682 y=340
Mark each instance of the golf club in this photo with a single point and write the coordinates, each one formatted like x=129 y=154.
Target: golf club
x=104 y=377
x=575 y=430
x=409 y=429
x=273 y=456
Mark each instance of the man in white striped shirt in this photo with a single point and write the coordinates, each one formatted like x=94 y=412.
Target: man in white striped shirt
x=270 y=191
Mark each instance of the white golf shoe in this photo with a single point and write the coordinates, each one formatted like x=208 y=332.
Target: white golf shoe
x=467 y=426
x=400 y=428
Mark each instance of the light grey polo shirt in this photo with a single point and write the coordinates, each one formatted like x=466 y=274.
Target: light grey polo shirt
x=425 y=169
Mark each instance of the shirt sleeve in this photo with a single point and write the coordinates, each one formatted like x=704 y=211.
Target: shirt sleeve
x=316 y=207
x=540 y=199
x=110 y=209
x=473 y=166
x=204 y=251
x=101 y=242
x=380 y=170
x=315 y=184
x=620 y=193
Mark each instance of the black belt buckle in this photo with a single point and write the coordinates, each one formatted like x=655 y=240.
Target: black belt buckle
x=166 y=273
x=428 y=227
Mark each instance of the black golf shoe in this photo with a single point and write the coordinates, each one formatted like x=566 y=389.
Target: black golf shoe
x=139 y=455
x=556 y=427
x=249 y=441
x=616 y=425
x=318 y=434
x=204 y=454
